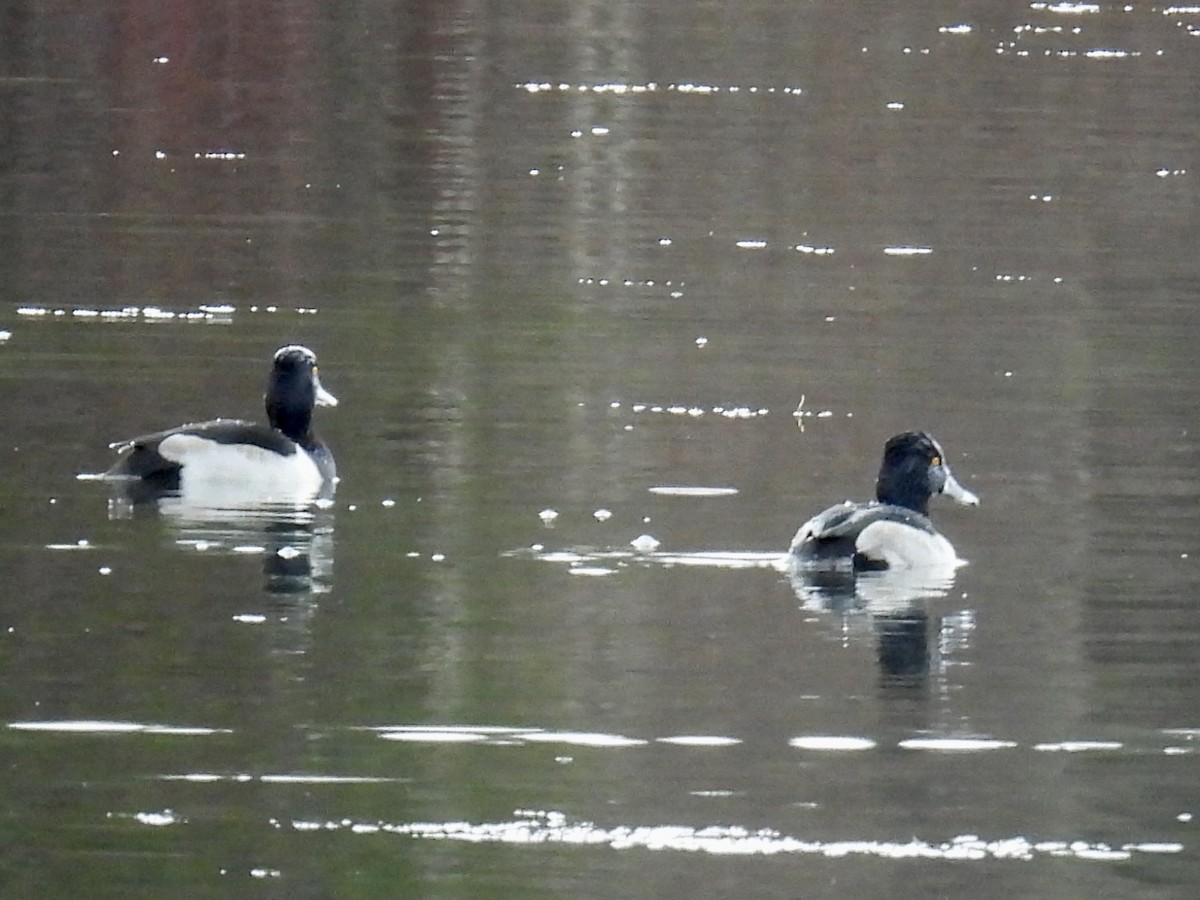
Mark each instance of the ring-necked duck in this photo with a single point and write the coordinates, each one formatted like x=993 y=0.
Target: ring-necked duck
x=894 y=531
x=284 y=459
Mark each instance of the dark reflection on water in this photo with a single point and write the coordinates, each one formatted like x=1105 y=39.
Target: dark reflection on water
x=896 y=605
x=294 y=540
x=559 y=257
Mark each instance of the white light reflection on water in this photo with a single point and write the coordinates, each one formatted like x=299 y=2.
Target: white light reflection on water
x=956 y=745
x=154 y=819
x=831 y=743
x=214 y=313
x=699 y=740
x=1182 y=741
x=695 y=411
x=552 y=827
x=721 y=559
x=650 y=87
x=693 y=491
x=501 y=735
x=1067 y=9
x=907 y=251
x=213 y=778
x=100 y=726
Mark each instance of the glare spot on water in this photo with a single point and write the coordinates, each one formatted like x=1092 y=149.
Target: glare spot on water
x=829 y=742
x=907 y=251
x=81 y=544
x=185 y=730
x=955 y=745
x=644 y=552
x=550 y=827
x=623 y=88
x=86 y=726
x=602 y=515
x=1078 y=746
x=208 y=312
x=100 y=726
x=561 y=556
x=250 y=618
x=699 y=740
x=645 y=543
x=159 y=819
x=222 y=155
x=955 y=29
x=1067 y=8
x=693 y=491
x=434 y=737
x=583 y=739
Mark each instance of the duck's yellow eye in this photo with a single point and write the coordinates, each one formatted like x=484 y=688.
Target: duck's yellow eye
x=936 y=461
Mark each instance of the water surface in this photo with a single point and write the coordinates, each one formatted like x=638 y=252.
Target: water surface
x=614 y=298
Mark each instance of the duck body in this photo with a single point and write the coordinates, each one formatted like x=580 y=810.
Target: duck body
x=283 y=459
x=894 y=531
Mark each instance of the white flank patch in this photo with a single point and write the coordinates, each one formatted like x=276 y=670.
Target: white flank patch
x=901 y=545
x=240 y=469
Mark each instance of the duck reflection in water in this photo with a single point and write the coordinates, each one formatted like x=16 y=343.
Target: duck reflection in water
x=885 y=557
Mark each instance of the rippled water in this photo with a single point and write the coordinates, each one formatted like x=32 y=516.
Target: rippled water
x=614 y=297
